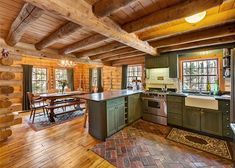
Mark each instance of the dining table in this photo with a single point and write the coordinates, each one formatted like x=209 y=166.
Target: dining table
x=52 y=97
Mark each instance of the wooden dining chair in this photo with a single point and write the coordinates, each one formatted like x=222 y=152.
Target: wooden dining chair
x=36 y=104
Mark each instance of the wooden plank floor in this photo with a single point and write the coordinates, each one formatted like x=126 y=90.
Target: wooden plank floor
x=64 y=145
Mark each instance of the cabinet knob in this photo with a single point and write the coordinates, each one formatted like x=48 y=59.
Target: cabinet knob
x=227 y=104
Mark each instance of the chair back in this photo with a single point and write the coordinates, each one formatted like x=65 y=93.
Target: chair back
x=30 y=97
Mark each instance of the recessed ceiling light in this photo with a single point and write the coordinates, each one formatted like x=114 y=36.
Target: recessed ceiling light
x=196 y=18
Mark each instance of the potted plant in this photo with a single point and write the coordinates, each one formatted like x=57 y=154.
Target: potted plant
x=63 y=83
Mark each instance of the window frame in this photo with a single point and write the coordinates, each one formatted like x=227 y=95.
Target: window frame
x=137 y=72
x=46 y=81
x=207 y=74
x=56 y=80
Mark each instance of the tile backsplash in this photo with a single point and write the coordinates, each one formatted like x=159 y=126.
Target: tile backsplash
x=158 y=77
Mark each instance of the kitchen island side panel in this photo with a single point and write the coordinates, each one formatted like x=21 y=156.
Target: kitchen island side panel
x=97 y=119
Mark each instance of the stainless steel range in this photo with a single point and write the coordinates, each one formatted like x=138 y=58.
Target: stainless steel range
x=155 y=107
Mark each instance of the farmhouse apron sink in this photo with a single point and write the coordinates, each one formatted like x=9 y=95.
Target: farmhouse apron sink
x=207 y=102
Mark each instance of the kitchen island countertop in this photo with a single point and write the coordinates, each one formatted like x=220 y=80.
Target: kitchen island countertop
x=103 y=96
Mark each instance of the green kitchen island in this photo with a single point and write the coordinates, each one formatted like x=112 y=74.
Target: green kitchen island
x=109 y=112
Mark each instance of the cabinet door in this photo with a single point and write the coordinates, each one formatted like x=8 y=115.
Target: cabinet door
x=162 y=61
x=138 y=107
x=173 y=66
x=111 y=120
x=191 y=118
x=120 y=115
x=131 y=108
x=211 y=122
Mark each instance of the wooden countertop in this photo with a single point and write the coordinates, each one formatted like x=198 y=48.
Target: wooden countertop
x=108 y=95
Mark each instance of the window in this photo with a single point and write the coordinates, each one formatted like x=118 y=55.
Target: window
x=134 y=73
x=200 y=74
x=39 y=80
x=94 y=77
x=60 y=74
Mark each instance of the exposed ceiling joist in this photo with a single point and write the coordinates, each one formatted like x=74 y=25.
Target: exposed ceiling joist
x=197 y=44
x=26 y=17
x=196 y=35
x=129 y=61
x=100 y=50
x=80 y=12
x=83 y=43
x=113 y=53
x=60 y=33
x=106 y=7
x=208 y=21
x=178 y=11
x=123 y=56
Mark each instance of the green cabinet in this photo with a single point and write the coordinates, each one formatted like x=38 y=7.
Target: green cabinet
x=205 y=120
x=192 y=118
x=164 y=61
x=134 y=108
x=173 y=66
x=115 y=115
x=175 y=107
x=224 y=107
x=211 y=121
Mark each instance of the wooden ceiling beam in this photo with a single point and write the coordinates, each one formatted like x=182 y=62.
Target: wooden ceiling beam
x=208 y=21
x=99 y=50
x=123 y=56
x=60 y=33
x=178 y=11
x=83 y=43
x=196 y=35
x=129 y=61
x=106 y=7
x=80 y=12
x=26 y=17
x=113 y=53
x=197 y=44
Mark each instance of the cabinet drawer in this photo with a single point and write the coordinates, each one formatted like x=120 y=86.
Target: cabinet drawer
x=175 y=99
x=174 y=119
x=226 y=119
x=226 y=126
x=228 y=133
x=174 y=107
x=224 y=106
x=115 y=102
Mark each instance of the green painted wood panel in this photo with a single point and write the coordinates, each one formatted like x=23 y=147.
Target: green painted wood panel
x=192 y=118
x=134 y=107
x=211 y=122
x=111 y=120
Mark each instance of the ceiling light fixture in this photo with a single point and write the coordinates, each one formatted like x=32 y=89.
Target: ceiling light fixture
x=196 y=18
x=66 y=63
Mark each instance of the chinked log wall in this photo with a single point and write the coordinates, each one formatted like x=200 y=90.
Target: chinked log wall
x=111 y=75
x=8 y=81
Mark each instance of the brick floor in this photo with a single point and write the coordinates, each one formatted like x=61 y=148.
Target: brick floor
x=143 y=144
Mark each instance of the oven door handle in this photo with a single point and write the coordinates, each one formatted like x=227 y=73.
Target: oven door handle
x=151 y=99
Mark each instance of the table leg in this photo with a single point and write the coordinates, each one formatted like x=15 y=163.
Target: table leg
x=51 y=116
x=86 y=114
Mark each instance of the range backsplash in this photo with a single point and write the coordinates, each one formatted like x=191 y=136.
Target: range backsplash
x=159 y=77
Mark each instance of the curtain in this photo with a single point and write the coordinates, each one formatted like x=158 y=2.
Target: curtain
x=70 y=77
x=124 y=76
x=27 y=85
x=99 y=80
x=90 y=79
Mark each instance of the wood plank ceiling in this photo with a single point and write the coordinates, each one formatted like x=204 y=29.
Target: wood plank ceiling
x=169 y=32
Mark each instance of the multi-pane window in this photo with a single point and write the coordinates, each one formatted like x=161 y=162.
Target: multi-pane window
x=39 y=80
x=134 y=73
x=60 y=74
x=200 y=74
x=94 y=77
